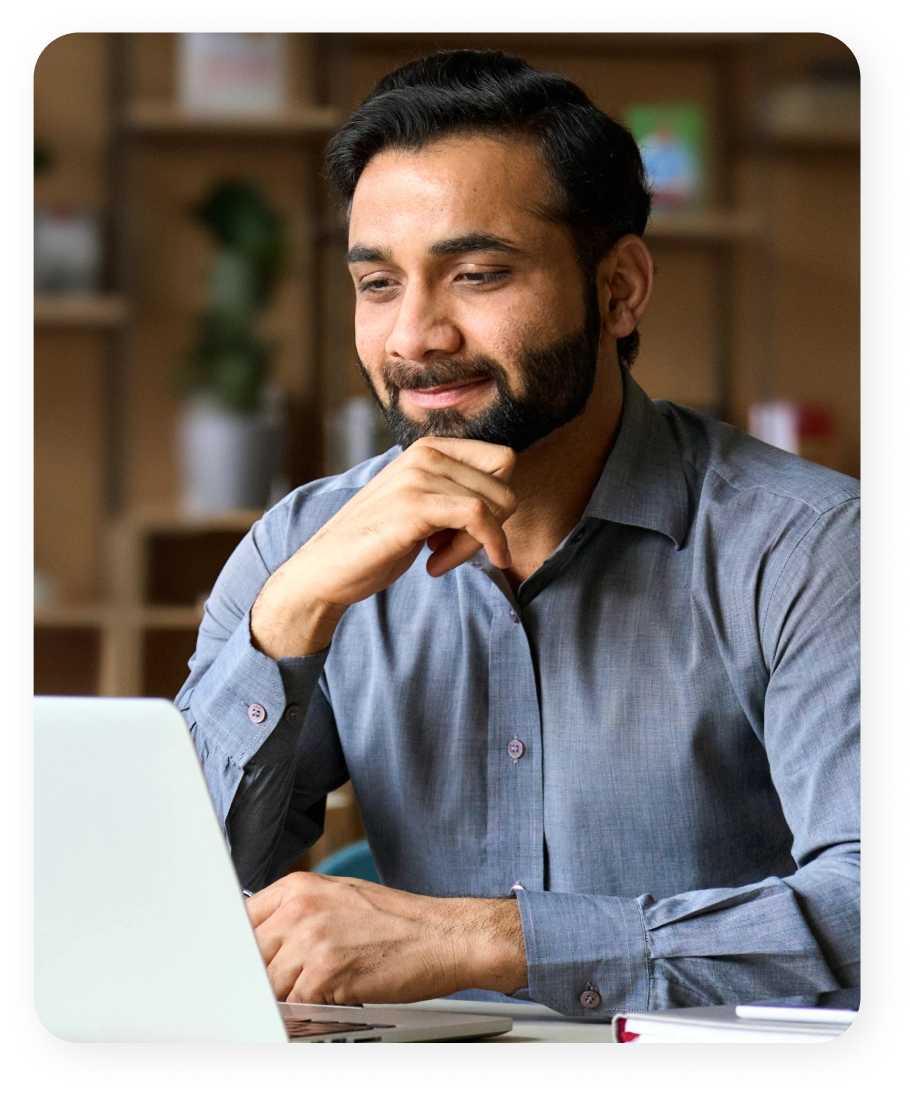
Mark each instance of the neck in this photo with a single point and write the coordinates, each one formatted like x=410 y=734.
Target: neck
x=553 y=479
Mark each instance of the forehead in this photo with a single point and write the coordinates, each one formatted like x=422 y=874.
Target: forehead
x=471 y=182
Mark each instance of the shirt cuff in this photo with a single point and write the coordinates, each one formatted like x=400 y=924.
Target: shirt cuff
x=587 y=955
x=242 y=699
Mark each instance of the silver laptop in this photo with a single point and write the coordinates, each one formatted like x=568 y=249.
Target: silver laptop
x=140 y=928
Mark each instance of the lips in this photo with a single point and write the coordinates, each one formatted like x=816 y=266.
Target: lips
x=445 y=395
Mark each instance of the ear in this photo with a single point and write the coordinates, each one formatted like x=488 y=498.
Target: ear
x=624 y=281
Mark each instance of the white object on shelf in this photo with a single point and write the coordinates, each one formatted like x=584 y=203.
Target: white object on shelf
x=776 y=423
x=67 y=251
x=45 y=590
x=239 y=74
x=355 y=433
x=813 y=110
x=228 y=460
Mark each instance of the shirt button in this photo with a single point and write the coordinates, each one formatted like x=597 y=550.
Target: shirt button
x=292 y=713
x=256 y=713
x=578 y=537
x=513 y=615
x=589 y=999
x=516 y=749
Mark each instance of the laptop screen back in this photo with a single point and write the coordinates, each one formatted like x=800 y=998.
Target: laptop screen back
x=140 y=931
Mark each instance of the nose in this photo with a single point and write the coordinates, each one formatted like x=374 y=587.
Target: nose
x=422 y=325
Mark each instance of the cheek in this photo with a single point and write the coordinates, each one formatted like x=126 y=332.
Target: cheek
x=369 y=338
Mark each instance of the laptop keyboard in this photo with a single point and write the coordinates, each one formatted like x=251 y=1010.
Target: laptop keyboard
x=303 y=1029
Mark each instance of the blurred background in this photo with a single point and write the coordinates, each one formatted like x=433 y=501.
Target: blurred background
x=193 y=315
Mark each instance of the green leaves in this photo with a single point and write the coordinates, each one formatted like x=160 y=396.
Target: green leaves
x=229 y=357
x=236 y=214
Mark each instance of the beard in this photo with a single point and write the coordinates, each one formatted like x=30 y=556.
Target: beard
x=558 y=380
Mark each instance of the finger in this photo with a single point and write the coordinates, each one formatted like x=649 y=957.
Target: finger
x=439 y=474
x=284 y=972
x=263 y=904
x=456 y=552
x=492 y=459
x=438 y=540
x=471 y=515
x=269 y=939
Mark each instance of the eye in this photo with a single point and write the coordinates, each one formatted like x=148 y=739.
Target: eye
x=483 y=277
x=376 y=286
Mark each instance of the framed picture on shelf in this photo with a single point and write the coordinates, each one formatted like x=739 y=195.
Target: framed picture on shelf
x=670 y=137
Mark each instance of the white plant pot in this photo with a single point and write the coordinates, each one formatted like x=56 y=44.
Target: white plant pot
x=228 y=460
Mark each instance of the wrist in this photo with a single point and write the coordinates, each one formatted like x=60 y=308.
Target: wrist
x=489 y=946
x=281 y=627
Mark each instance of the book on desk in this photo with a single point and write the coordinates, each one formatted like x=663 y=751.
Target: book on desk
x=801 y=1018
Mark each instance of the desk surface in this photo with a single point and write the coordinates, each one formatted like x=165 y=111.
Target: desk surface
x=530 y=1021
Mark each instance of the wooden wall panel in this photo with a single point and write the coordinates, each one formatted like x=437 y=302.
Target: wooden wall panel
x=817 y=294
x=71 y=82
x=69 y=450
x=677 y=332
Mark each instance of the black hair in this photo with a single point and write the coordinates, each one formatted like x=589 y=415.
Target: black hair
x=601 y=190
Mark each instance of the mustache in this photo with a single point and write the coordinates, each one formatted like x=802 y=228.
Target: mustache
x=404 y=375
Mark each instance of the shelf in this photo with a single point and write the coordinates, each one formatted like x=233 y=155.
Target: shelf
x=73 y=616
x=163 y=119
x=175 y=521
x=167 y=618
x=702 y=226
x=837 y=137
x=97 y=616
x=104 y=311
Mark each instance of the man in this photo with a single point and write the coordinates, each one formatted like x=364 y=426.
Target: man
x=589 y=661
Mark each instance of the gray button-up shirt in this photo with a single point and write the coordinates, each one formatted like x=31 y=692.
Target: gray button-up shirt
x=656 y=737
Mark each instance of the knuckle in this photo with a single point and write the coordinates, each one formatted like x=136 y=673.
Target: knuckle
x=298 y=906
x=418 y=478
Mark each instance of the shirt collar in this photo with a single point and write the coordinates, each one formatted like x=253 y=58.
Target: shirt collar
x=643 y=482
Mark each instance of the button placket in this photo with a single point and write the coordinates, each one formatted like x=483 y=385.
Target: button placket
x=515 y=796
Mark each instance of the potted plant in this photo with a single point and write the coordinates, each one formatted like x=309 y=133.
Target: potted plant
x=229 y=439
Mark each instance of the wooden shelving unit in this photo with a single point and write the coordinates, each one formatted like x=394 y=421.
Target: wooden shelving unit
x=138 y=641
x=106 y=311
x=738 y=312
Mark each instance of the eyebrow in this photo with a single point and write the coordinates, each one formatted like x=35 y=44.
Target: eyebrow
x=444 y=248
x=472 y=241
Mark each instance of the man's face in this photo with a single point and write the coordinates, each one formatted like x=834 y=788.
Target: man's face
x=473 y=318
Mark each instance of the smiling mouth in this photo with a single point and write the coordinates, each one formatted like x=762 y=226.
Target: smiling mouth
x=445 y=395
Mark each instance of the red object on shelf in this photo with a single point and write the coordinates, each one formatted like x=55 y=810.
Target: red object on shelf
x=815 y=421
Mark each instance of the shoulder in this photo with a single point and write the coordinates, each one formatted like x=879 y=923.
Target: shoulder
x=732 y=465
x=764 y=523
